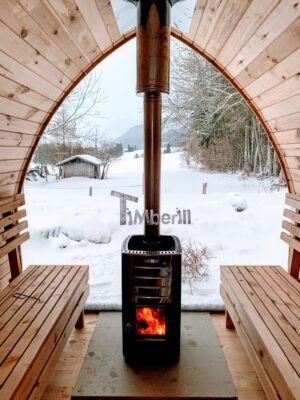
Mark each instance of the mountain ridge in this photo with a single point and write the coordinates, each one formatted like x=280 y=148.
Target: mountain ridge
x=134 y=137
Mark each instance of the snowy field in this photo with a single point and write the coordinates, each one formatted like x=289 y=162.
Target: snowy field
x=67 y=226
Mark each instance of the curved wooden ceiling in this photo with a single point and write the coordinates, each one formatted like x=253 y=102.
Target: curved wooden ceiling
x=48 y=46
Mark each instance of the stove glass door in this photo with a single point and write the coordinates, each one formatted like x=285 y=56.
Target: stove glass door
x=150 y=321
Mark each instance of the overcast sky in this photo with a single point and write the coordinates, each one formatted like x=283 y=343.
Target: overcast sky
x=123 y=108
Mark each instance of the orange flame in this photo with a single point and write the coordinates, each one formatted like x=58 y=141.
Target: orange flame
x=150 y=321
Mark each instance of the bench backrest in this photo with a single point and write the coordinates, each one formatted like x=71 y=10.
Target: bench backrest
x=11 y=237
x=292 y=234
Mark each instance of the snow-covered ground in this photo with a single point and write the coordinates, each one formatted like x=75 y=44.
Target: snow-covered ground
x=67 y=226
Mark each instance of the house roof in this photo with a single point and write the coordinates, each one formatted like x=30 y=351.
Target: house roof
x=84 y=157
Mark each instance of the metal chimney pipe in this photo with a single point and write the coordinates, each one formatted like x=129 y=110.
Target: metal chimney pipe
x=153 y=70
x=152 y=160
x=153 y=46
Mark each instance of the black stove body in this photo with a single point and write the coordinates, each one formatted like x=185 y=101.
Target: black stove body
x=151 y=299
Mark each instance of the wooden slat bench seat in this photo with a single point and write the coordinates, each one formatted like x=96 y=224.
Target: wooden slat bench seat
x=38 y=310
x=263 y=304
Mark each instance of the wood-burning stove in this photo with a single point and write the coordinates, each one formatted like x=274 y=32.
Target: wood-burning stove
x=151 y=263
x=151 y=294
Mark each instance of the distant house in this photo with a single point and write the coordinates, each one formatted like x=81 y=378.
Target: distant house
x=83 y=165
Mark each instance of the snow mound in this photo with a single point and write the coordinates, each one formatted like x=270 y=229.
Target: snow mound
x=61 y=241
x=238 y=202
x=88 y=226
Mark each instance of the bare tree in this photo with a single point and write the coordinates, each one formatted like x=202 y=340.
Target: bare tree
x=221 y=131
x=83 y=104
x=77 y=119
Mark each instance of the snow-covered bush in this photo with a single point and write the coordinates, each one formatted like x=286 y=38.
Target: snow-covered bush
x=195 y=258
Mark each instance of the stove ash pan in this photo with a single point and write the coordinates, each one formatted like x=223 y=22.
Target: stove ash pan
x=151 y=299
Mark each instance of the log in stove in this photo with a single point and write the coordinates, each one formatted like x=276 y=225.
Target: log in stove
x=151 y=263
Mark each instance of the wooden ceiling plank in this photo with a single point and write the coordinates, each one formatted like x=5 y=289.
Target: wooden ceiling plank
x=282 y=47
x=291 y=152
x=198 y=12
x=109 y=19
x=279 y=73
x=247 y=26
x=18 y=49
x=231 y=15
x=8 y=190
x=68 y=13
x=290 y=146
x=25 y=26
x=23 y=95
x=284 y=90
x=19 y=110
x=13 y=153
x=18 y=73
x=52 y=26
x=285 y=107
x=94 y=20
x=17 y=199
x=15 y=139
x=8 y=178
x=285 y=123
x=10 y=165
x=212 y=12
x=273 y=26
x=285 y=137
x=12 y=124
x=296 y=187
x=293 y=162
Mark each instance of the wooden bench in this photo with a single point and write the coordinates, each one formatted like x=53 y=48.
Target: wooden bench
x=292 y=237
x=38 y=310
x=263 y=305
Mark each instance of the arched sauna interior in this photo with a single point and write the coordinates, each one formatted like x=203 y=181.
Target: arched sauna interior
x=48 y=46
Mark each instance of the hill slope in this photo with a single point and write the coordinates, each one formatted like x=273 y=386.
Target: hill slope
x=133 y=137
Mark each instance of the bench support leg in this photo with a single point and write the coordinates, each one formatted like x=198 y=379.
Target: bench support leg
x=80 y=322
x=15 y=263
x=228 y=320
x=294 y=263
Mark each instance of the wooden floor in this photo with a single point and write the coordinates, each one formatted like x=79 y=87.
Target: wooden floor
x=67 y=369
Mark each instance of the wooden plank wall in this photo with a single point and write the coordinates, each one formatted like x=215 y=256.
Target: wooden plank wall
x=47 y=46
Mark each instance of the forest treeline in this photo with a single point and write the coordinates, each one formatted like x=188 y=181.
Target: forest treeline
x=219 y=129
